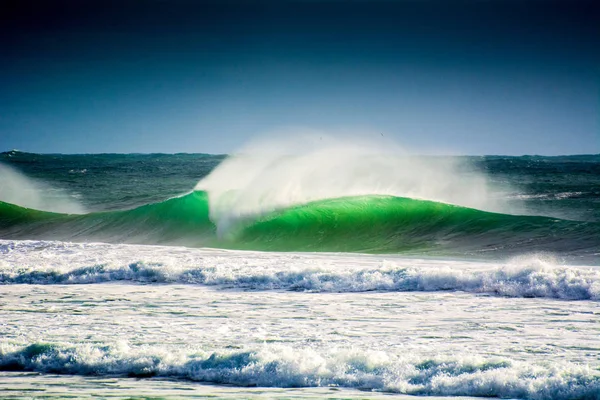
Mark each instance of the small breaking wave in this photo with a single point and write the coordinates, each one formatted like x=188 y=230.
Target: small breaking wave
x=548 y=196
x=283 y=366
x=525 y=276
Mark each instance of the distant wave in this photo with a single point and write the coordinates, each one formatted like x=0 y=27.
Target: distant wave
x=527 y=276
x=282 y=366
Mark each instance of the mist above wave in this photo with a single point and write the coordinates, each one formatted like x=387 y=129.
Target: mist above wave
x=271 y=173
x=17 y=188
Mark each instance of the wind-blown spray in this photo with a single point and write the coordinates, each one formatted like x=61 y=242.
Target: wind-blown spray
x=270 y=174
x=16 y=188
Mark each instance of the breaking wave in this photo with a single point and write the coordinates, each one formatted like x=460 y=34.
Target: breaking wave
x=368 y=224
x=58 y=263
x=284 y=366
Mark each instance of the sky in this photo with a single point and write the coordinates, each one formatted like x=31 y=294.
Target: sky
x=452 y=77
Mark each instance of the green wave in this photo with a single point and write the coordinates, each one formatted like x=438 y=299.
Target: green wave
x=376 y=224
x=372 y=224
x=181 y=220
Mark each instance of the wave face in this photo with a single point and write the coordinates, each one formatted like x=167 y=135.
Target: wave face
x=178 y=220
x=372 y=224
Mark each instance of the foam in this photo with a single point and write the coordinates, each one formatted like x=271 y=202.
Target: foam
x=285 y=366
x=534 y=275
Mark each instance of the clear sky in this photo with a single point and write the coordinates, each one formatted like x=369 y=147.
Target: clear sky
x=464 y=77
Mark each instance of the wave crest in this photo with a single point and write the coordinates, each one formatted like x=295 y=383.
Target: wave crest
x=284 y=366
x=525 y=276
x=270 y=174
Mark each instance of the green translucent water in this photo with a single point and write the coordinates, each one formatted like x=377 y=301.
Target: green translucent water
x=130 y=198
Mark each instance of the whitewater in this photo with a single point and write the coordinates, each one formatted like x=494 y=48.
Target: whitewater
x=309 y=268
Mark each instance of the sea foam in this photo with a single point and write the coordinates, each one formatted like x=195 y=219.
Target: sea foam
x=286 y=366
x=41 y=262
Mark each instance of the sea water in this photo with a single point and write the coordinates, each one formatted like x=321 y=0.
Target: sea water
x=149 y=275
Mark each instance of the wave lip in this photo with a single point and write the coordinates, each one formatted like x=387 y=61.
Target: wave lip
x=284 y=366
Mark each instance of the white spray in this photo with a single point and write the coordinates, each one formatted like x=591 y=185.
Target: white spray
x=16 y=188
x=273 y=173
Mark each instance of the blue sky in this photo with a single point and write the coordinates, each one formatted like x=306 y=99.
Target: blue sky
x=460 y=77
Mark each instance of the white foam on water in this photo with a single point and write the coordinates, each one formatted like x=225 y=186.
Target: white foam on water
x=286 y=366
x=417 y=326
x=536 y=275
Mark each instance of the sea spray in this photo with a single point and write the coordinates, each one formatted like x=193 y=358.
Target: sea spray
x=16 y=188
x=274 y=173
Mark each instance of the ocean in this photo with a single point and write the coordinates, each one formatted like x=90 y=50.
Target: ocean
x=335 y=272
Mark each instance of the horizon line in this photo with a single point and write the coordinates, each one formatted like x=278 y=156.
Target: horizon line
x=229 y=154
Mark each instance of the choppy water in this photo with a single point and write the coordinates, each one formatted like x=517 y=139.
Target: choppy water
x=250 y=274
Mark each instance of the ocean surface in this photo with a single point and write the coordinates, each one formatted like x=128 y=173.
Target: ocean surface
x=332 y=272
